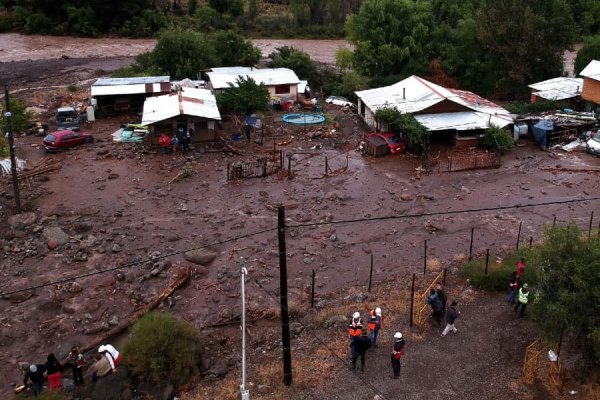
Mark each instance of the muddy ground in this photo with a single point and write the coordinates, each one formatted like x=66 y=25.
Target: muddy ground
x=118 y=204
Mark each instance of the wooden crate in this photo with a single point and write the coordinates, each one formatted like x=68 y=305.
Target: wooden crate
x=376 y=147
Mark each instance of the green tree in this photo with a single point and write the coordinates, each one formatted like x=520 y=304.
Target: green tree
x=528 y=37
x=405 y=125
x=586 y=14
x=245 y=97
x=497 y=139
x=343 y=58
x=234 y=49
x=567 y=300
x=21 y=118
x=183 y=53
x=252 y=9
x=350 y=82
x=296 y=60
x=391 y=37
x=590 y=51
x=82 y=21
x=192 y=6
x=232 y=7
x=205 y=18
x=162 y=349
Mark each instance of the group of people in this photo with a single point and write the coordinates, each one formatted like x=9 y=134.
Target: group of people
x=106 y=361
x=360 y=343
x=182 y=138
x=518 y=294
x=437 y=299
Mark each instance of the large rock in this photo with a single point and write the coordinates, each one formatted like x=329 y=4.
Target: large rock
x=22 y=220
x=200 y=256
x=55 y=234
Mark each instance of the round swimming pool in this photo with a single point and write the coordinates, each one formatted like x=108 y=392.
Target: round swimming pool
x=303 y=119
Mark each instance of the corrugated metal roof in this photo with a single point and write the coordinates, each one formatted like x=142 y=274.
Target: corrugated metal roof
x=302 y=86
x=558 y=88
x=415 y=94
x=592 y=70
x=137 y=80
x=221 y=77
x=191 y=101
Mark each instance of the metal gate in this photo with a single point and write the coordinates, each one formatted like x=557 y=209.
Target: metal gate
x=250 y=169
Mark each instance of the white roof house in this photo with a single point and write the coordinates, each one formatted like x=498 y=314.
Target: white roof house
x=592 y=70
x=128 y=86
x=435 y=107
x=220 y=78
x=557 y=88
x=190 y=101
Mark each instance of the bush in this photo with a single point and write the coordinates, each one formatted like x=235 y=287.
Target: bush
x=416 y=136
x=499 y=274
x=38 y=23
x=4 y=149
x=521 y=107
x=497 y=139
x=146 y=24
x=162 y=349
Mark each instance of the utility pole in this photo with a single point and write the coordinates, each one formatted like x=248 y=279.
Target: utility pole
x=285 y=323
x=244 y=272
x=13 y=158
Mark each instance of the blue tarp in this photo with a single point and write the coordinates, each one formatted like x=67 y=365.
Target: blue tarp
x=540 y=132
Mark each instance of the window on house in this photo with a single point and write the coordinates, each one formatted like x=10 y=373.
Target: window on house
x=282 y=89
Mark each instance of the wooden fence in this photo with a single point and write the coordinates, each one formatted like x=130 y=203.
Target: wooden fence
x=250 y=169
x=473 y=161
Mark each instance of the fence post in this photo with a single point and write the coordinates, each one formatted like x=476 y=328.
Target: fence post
x=371 y=274
x=444 y=278
x=599 y=229
x=265 y=167
x=590 y=228
x=412 y=299
x=274 y=147
x=312 y=292
x=471 y=246
x=281 y=159
x=519 y=234
x=228 y=168
x=487 y=259
x=530 y=241
x=554 y=222
x=326 y=166
x=289 y=167
x=425 y=259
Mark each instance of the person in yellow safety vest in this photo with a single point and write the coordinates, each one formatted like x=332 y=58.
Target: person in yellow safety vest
x=355 y=328
x=523 y=299
x=375 y=323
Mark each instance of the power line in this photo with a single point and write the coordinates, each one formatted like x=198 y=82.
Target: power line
x=134 y=263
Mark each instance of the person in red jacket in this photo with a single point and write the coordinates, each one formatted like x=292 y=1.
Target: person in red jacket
x=164 y=141
x=520 y=268
x=355 y=328
x=375 y=323
x=397 y=353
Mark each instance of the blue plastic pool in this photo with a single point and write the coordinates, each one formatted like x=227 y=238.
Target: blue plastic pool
x=303 y=119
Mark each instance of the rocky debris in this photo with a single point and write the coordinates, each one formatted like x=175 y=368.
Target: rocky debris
x=55 y=234
x=72 y=287
x=296 y=328
x=115 y=248
x=217 y=369
x=83 y=226
x=406 y=197
x=202 y=256
x=18 y=297
x=335 y=320
x=20 y=221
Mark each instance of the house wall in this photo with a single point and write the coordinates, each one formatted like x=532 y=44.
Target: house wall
x=367 y=114
x=591 y=90
x=445 y=106
x=204 y=129
x=292 y=95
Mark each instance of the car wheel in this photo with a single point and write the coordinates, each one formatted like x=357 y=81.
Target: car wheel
x=89 y=140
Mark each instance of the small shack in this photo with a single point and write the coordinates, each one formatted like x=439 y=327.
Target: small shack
x=591 y=85
x=126 y=95
x=281 y=82
x=555 y=89
x=188 y=108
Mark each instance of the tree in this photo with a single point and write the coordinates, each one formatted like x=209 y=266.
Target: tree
x=245 y=97
x=183 y=53
x=296 y=60
x=586 y=14
x=343 y=58
x=405 y=125
x=351 y=82
x=21 y=118
x=232 y=7
x=590 y=51
x=528 y=37
x=391 y=37
x=497 y=139
x=567 y=299
x=234 y=49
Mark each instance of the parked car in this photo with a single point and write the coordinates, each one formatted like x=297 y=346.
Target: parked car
x=65 y=139
x=395 y=144
x=592 y=146
x=339 y=101
x=68 y=118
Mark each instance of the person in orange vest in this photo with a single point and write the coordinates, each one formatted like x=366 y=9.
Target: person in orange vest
x=375 y=323
x=355 y=328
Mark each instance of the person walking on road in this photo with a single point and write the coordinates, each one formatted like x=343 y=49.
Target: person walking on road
x=451 y=314
x=375 y=322
x=436 y=306
x=359 y=349
x=523 y=299
x=397 y=353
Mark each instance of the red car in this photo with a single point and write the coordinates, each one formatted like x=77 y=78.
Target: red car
x=394 y=144
x=62 y=140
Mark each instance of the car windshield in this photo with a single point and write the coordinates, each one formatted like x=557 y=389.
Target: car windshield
x=50 y=138
x=393 y=140
x=66 y=114
x=596 y=137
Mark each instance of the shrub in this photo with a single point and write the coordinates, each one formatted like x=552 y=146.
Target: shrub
x=417 y=137
x=499 y=274
x=497 y=139
x=146 y=24
x=72 y=88
x=520 y=107
x=4 y=150
x=38 y=23
x=162 y=349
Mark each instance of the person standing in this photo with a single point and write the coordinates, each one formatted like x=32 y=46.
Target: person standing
x=35 y=374
x=513 y=287
x=436 y=306
x=359 y=349
x=451 y=314
x=53 y=369
x=355 y=327
x=520 y=267
x=375 y=323
x=75 y=360
x=164 y=141
x=397 y=353
x=439 y=289
x=111 y=354
x=523 y=299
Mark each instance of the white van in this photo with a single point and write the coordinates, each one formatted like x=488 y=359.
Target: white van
x=593 y=145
